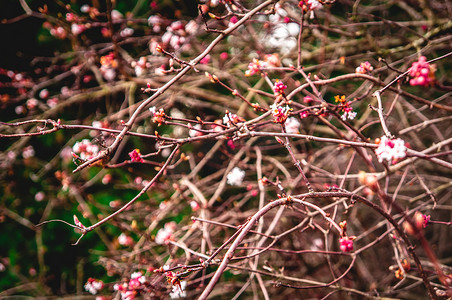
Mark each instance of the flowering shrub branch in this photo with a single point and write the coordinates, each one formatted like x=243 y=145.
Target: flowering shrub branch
x=279 y=143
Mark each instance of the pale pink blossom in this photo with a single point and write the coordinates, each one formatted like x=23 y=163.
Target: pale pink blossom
x=94 y=285
x=28 y=152
x=280 y=113
x=165 y=234
x=125 y=240
x=85 y=149
x=292 y=125
x=364 y=68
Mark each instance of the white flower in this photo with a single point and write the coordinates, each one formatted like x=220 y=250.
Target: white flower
x=126 y=32
x=85 y=8
x=28 y=152
x=390 y=149
x=93 y=285
x=235 y=177
x=179 y=292
x=124 y=239
x=116 y=15
x=350 y=115
x=292 y=124
x=165 y=234
x=193 y=132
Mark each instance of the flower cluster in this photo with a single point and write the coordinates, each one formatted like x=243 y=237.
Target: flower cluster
x=255 y=67
x=279 y=87
x=308 y=5
x=108 y=64
x=179 y=291
x=422 y=72
x=364 y=68
x=346 y=244
x=55 y=30
x=131 y=289
x=231 y=119
x=135 y=156
x=85 y=149
x=280 y=113
x=141 y=65
x=158 y=116
x=348 y=112
x=345 y=107
x=390 y=149
x=93 y=285
x=176 y=33
x=28 y=152
x=236 y=176
x=166 y=234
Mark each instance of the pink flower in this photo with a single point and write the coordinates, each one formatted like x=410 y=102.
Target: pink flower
x=272 y=60
x=304 y=114
x=43 y=94
x=346 y=244
x=280 y=113
x=390 y=149
x=279 y=87
x=77 y=29
x=426 y=220
x=205 y=60
x=135 y=156
x=422 y=72
x=86 y=149
x=159 y=116
x=194 y=205
x=231 y=144
x=231 y=119
x=307 y=99
x=364 y=68
x=309 y=4
x=165 y=234
x=255 y=67
x=348 y=112
x=224 y=56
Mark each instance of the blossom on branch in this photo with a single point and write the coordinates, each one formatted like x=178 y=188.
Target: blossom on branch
x=231 y=119
x=85 y=149
x=279 y=87
x=346 y=243
x=93 y=285
x=422 y=72
x=292 y=125
x=178 y=291
x=280 y=114
x=255 y=67
x=165 y=234
x=308 y=5
x=135 y=156
x=390 y=149
x=364 y=68
x=236 y=176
